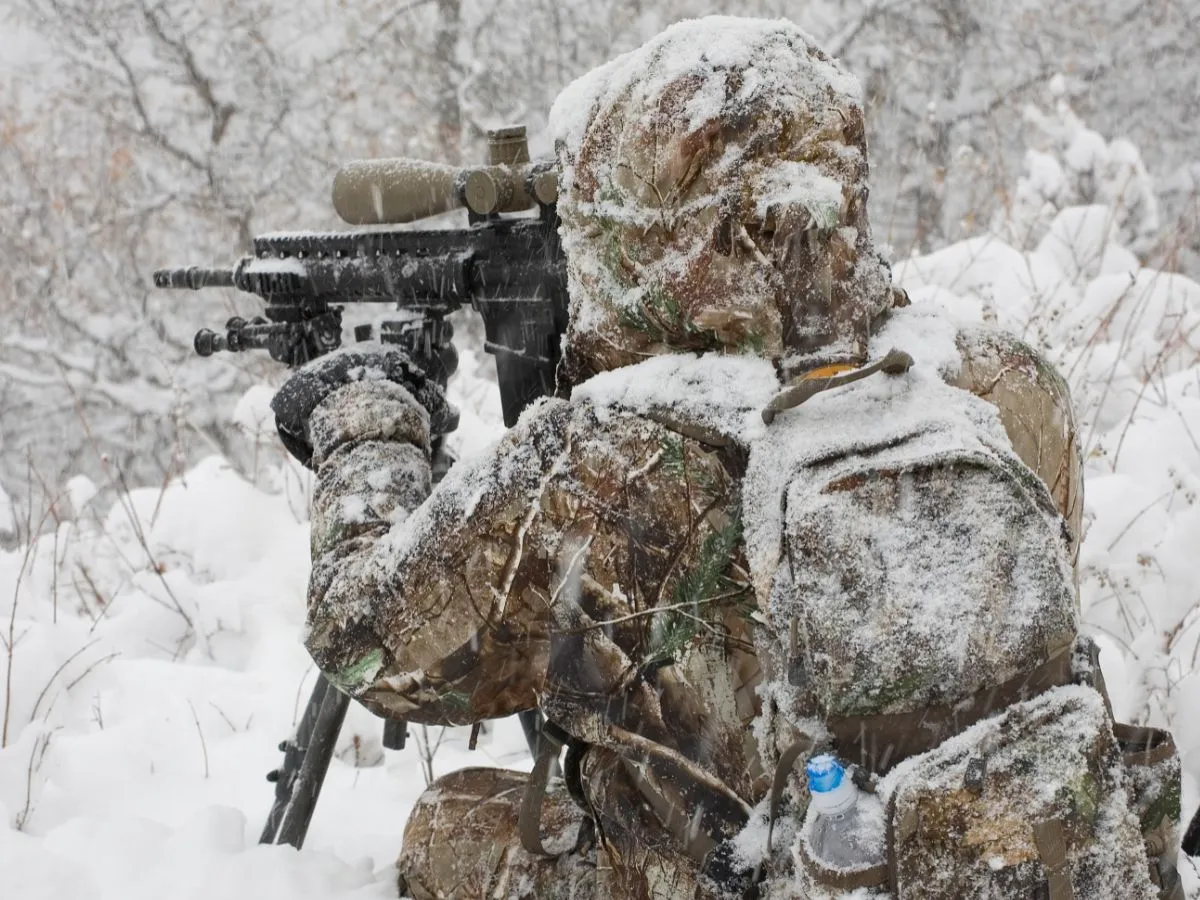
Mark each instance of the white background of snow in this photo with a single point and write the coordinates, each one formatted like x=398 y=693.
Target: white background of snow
x=152 y=782
x=137 y=745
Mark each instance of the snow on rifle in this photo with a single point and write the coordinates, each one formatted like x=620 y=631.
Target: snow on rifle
x=507 y=264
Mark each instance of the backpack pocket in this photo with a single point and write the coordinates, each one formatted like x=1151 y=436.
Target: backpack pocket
x=1029 y=804
x=1153 y=784
x=926 y=586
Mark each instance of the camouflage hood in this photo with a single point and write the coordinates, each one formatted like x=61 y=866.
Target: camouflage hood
x=714 y=197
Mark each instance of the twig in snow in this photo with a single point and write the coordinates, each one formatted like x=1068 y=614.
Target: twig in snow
x=36 y=756
x=200 y=731
x=66 y=662
x=10 y=640
x=1145 y=509
x=427 y=752
x=221 y=713
x=88 y=671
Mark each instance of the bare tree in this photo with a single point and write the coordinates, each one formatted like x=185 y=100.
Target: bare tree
x=156 y=132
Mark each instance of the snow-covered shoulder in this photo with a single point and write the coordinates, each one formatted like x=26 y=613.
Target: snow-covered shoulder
x=721 y=394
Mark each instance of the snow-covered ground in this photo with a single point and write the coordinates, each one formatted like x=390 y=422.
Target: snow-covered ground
x=155 y=666
x=151 y=651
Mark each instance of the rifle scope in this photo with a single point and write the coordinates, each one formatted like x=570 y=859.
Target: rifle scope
x=394 y=191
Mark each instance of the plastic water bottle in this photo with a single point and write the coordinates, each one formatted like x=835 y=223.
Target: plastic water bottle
x=835 y=837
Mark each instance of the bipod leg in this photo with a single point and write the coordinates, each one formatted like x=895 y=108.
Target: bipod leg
x=293 y=756
x=306 y=759
x=311 y=776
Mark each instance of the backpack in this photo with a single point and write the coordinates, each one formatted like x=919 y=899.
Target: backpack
x=921 y=623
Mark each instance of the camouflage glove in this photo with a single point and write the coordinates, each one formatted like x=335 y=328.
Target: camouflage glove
x=309 y=386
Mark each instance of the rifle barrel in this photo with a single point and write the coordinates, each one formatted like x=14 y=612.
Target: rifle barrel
x=193 y=278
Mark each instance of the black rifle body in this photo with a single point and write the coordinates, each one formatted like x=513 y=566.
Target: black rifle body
x=510 y=270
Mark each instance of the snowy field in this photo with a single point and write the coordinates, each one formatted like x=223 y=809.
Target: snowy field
x=155 y=665
x=152 y=657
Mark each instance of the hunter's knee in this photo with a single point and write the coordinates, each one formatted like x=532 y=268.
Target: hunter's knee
x=462 y=840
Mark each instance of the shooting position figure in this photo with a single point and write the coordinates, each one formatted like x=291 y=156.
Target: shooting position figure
x=745 y=532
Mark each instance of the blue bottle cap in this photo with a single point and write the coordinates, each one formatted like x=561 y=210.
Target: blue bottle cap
x=824 y=772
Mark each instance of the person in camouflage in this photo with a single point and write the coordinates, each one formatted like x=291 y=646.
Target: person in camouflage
x=691 y=575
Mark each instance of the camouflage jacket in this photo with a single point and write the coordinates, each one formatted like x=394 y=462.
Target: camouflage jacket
x=593 y=564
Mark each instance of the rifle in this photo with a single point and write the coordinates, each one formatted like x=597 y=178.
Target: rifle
x=1191 y=838
x=506 y=265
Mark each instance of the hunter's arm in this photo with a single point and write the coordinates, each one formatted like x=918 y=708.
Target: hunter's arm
x=414 y=608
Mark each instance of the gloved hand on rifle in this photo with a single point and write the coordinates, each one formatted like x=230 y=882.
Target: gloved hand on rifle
x=314 y=384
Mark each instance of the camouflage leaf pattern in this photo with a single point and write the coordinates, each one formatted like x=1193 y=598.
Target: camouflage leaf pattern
x=718 y=201
x=591 y=565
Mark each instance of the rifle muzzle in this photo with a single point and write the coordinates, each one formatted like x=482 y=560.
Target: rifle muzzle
x=207 y=342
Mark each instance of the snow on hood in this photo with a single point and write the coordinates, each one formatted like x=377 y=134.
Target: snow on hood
x=713 y=197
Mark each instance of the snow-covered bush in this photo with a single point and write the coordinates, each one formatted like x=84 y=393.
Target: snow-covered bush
x=1068 y=164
